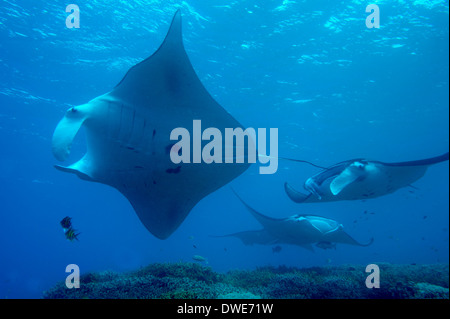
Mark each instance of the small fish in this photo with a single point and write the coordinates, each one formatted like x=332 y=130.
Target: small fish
x=326 y=245
x=66 y=222
x=70 y=234
x=199 y=258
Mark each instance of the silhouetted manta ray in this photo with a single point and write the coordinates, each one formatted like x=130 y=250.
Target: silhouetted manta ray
x=128 y=137
x=300 y=230
x=361 y=179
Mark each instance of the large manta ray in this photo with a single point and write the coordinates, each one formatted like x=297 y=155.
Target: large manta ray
x=300 y=230
x=128 y=137
x=361 y=179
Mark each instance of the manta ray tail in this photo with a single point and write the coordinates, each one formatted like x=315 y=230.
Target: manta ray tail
x=300 y=161
x=295 y=195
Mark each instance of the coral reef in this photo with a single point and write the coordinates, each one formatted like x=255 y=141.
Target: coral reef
x=194 y=281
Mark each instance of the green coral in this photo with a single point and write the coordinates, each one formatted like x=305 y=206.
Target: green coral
x=179 y=270
x=250 y=280
x=239 y=295
x=195 y=281
x=428 y=291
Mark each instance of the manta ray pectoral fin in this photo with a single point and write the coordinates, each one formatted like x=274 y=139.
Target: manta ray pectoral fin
x=367 y=244
x=344 y=179
x=295 y=195
x=428 y=161
x=266 y=221
x=342 y=237
x=65 y=133
x=351 y=241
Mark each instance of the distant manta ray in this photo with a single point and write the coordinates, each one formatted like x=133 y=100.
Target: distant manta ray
x=128 y=137
x=300 y=230
x=361 y=179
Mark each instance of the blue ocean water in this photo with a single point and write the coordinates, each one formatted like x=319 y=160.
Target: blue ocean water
x=335 y=89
